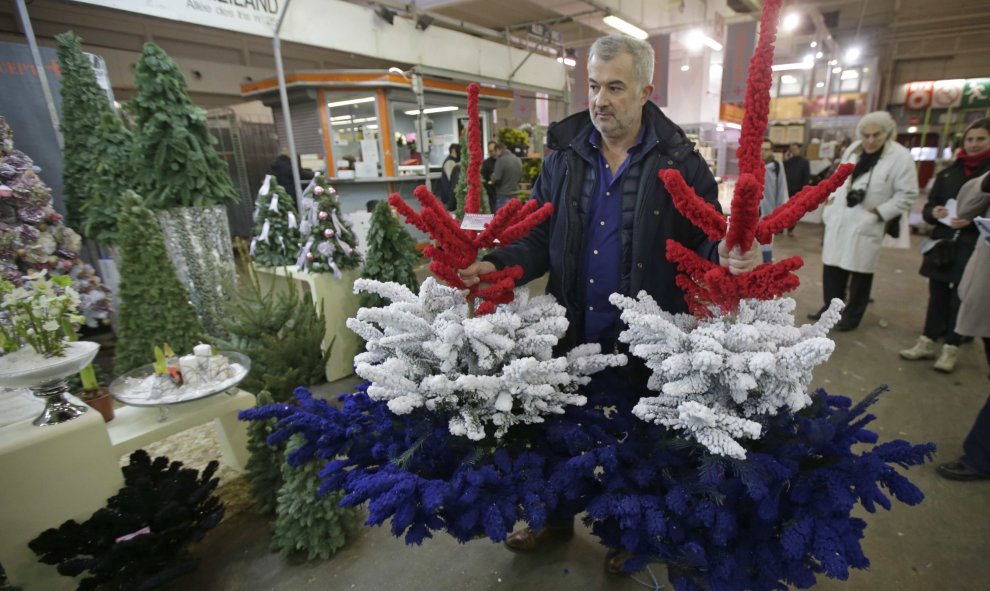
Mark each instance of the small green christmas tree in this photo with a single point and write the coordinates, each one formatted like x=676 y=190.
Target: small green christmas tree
x=281 y=333
x=154 y=305
x=110 y=179
x=329 y=244
x=264 y=466
x=391 y=254
x=176 y=164
x=305 y=521
x=276 y=230
x=83 y=105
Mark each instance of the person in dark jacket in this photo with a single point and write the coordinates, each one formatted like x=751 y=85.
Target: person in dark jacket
x=448 y=177
x=972 y=161
x=798 y=172
x=487 y=169
x=612 y=216
x=281 y=169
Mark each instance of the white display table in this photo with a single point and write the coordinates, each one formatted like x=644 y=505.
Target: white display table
x=68 y=471
x=336 y=300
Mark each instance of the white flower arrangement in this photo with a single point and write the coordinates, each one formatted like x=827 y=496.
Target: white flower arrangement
x=495 y=370
x=38 y=314
x=714 y=374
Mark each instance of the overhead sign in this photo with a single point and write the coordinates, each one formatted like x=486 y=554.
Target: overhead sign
x=255 y=17
x=919 y=95
x=947 y=93
x=976 y=93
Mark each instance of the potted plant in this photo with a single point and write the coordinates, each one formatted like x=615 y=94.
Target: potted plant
x=90 y=390
x=37 y=353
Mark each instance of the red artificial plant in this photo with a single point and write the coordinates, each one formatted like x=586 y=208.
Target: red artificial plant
x=455 y=248
x=707 y=284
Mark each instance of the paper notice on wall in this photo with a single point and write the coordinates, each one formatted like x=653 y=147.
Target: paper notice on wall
x=369 y=151
x=365 y=169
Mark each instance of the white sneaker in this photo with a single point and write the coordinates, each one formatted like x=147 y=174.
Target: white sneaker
x=923 y=349
x=947 y=360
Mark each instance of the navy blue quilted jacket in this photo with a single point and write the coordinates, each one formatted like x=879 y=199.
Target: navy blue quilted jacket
x=568 y=179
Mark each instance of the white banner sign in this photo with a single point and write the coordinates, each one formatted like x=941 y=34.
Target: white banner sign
x=255 y=17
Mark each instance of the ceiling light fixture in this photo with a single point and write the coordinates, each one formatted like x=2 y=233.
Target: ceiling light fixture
x=685 y=68
x=356 y=101
x=852 y=54
x=791 y=21
x=819 y=85
x=625 y=27
x=432 y=110
x=788 y=79
x=697 y=39
x=792 y=66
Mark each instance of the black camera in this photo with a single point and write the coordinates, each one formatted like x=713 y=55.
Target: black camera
x=855 y=196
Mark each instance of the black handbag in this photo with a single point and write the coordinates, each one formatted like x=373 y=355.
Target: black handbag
x=892 y=227
x=939 y=254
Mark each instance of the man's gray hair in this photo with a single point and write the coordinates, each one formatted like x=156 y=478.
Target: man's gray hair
x=610 y=47
x=881 y=119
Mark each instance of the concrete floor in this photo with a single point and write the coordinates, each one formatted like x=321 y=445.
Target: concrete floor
x=942 y=544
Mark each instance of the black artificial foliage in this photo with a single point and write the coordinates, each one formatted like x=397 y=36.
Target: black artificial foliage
x=162 y=505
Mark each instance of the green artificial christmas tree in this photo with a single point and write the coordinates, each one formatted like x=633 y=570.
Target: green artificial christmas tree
x=264 y=466
x=276 y=230
x=176 y=164
x=154 y=305
x=281 y=333
x=83 y=106
x=391 y=254
x=329 y=242
x=305 y=521
x=111 y=177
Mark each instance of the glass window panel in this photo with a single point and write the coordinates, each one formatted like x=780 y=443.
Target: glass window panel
x=354 y=131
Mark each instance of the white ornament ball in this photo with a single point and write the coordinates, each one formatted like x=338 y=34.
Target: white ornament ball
x=328 y=233
x=317 y=190
x=323 y=216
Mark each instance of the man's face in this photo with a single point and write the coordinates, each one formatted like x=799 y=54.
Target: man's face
x=873 y=137
x=795 y=150
x=615 y=99
x=491 y=150
x=766 y=151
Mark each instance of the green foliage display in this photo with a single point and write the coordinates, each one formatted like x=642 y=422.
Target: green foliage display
x=154 y=305
x=112 y=176
x=307 y=522
x=281 y=333
x=531 y=169
x=330 y=244
x=264 y=466
x=83 y=105
x=516 y=140
x=176 y=164
x=276 y=240
x=391 y=254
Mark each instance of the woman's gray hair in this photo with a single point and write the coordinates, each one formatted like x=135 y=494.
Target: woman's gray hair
x=610 y=47
x=881 y=119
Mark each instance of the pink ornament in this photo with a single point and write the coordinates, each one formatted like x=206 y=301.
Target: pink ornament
x=317 y=190
x=323 y=216
x=328 y=233
x=309 y=257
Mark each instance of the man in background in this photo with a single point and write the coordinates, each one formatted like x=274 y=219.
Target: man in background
x=506 y=176
x=487 y=169
x=774 y=190
x=798 y=172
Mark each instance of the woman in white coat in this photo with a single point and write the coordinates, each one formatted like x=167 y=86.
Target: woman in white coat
x=882 y=187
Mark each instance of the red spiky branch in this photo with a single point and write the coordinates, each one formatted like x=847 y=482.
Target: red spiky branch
x=455 y=248
x=707 y=285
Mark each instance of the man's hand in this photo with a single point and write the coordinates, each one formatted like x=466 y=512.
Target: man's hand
x=739 y=262
x=958 y=223
x=471 y=274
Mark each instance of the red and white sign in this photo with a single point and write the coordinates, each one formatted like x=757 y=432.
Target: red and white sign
x=947 y=93
x=919 y=95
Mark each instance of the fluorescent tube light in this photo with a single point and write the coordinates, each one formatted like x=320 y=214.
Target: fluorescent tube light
x=432 y=110
x=848 y=74
x=792 y=66
x=567 y=61
x=356 y=101
x=627 y=28
x=697 y=38
x=788 y=79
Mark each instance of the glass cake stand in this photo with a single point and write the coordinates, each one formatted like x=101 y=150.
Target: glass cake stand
x=141 y=387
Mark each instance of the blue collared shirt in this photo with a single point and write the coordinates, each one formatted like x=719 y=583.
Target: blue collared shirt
x=601 y=259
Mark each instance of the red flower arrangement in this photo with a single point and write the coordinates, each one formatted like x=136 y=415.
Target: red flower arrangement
x=455 y=248
x=705 y=283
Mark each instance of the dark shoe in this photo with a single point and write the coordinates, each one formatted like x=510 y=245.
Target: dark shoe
x=843 y=326
x=527 y=540
x=959 y=471
x=615 y=562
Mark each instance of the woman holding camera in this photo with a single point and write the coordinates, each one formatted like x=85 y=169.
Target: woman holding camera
x=959 y=236
x=882 y=187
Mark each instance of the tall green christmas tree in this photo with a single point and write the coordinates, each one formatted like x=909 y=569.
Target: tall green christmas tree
x=176 y=163
x=307 y=522
x=276 y=229
x=281 y=333
x=154 y=305
x=264 y=466
x=329 y=244
x=83 y=105
x=391 y=254
x=110 y=178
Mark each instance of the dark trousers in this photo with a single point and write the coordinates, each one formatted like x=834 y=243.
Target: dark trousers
x=849 y=286
x=943 y=307
x=976 y=448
